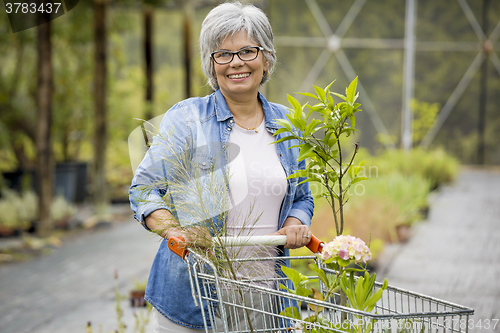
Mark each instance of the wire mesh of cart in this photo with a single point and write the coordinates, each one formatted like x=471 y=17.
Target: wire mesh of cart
x=238 y=306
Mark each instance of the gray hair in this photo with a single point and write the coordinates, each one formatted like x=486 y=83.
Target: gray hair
x=227 y=19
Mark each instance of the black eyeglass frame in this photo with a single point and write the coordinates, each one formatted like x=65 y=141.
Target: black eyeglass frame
x=259 y=48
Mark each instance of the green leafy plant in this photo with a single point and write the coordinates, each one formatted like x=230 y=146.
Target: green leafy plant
x=319 y=141
x=319 y=131
x=338 y=256
x=18 y=209
x=361 y=292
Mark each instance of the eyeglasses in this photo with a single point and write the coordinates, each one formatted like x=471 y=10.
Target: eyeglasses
x=245 y=54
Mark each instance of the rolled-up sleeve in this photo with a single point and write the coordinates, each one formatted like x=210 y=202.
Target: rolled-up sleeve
x=149 y=189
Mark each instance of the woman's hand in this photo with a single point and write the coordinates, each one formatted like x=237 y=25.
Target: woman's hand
x=297 y=234
x=163 y=223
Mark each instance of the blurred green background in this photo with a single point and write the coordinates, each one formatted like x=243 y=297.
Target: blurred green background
x=403 y=179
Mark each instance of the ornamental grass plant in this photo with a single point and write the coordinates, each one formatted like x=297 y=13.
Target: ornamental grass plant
x=203 y=204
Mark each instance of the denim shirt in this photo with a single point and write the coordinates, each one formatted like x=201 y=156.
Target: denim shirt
x=200 y=122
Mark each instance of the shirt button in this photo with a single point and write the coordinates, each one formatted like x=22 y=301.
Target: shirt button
x=229 y=128
x=231 y=121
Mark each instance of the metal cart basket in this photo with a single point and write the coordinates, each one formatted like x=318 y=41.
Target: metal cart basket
x=231 y=305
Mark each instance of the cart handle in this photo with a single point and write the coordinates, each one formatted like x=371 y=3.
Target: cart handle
x=179 y=247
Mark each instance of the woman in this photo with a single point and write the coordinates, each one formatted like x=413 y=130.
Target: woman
x=237 y=56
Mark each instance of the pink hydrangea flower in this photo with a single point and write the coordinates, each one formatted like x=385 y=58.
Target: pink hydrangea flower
x=347 y=248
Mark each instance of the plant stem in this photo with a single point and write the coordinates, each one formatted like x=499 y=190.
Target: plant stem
x=341 y=191
x=356 y=147
x=332 y=198
x=234 y=277
x=343 y=302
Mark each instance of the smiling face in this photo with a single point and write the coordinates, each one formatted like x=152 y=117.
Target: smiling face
x=240 y=79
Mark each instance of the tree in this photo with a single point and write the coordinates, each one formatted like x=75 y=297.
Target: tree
x=100 y=144
x=148 y=19
x=187 y=32
x=44 y=156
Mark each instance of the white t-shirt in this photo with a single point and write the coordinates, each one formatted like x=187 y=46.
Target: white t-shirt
x=257 y=183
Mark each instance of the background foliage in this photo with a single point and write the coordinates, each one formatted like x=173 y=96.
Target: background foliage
x=380 y=72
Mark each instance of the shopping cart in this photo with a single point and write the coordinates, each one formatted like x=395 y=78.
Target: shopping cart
x=233 y=305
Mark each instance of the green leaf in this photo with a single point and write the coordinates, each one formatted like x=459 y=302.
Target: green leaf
x=292 y=274
x=351 y=91
x=298 y=174
x=331 y=259
x=286 y=138
x=343 y=262
x=310 y=179
x=317 y=108
x=340 y=96
x=296 y=106
x=322 y=195
x=310 y=319
x=321 y=274
x=306 y=149
x=310 y=112
x=332 y=140
x=347 y=285
x=358 y=179
x=372 y=301
x=360 y=292
x=284 y=123
x=300 y=124
x=367 y=287
x=327 y=89
x=353 y=121
x=301 y=291
x=350 y=172
x=309 y=95
x=349 y=269
x=348 y=111
x=281 y=130
x=331 y=102
x=282 y=286
x=291 y=312
x=321 y=94
x=311 y=126
x=322 y=154
x=385 y=285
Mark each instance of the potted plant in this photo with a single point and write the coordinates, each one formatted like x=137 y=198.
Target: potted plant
x=18 y=211
x=137 y=294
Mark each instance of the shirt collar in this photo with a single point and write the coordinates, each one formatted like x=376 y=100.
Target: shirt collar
x=223 y=113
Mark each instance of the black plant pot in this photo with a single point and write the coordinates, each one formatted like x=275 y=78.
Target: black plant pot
x=70 y=180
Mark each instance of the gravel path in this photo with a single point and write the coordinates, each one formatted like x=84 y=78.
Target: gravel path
x=61 y=292
x=455 y=254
